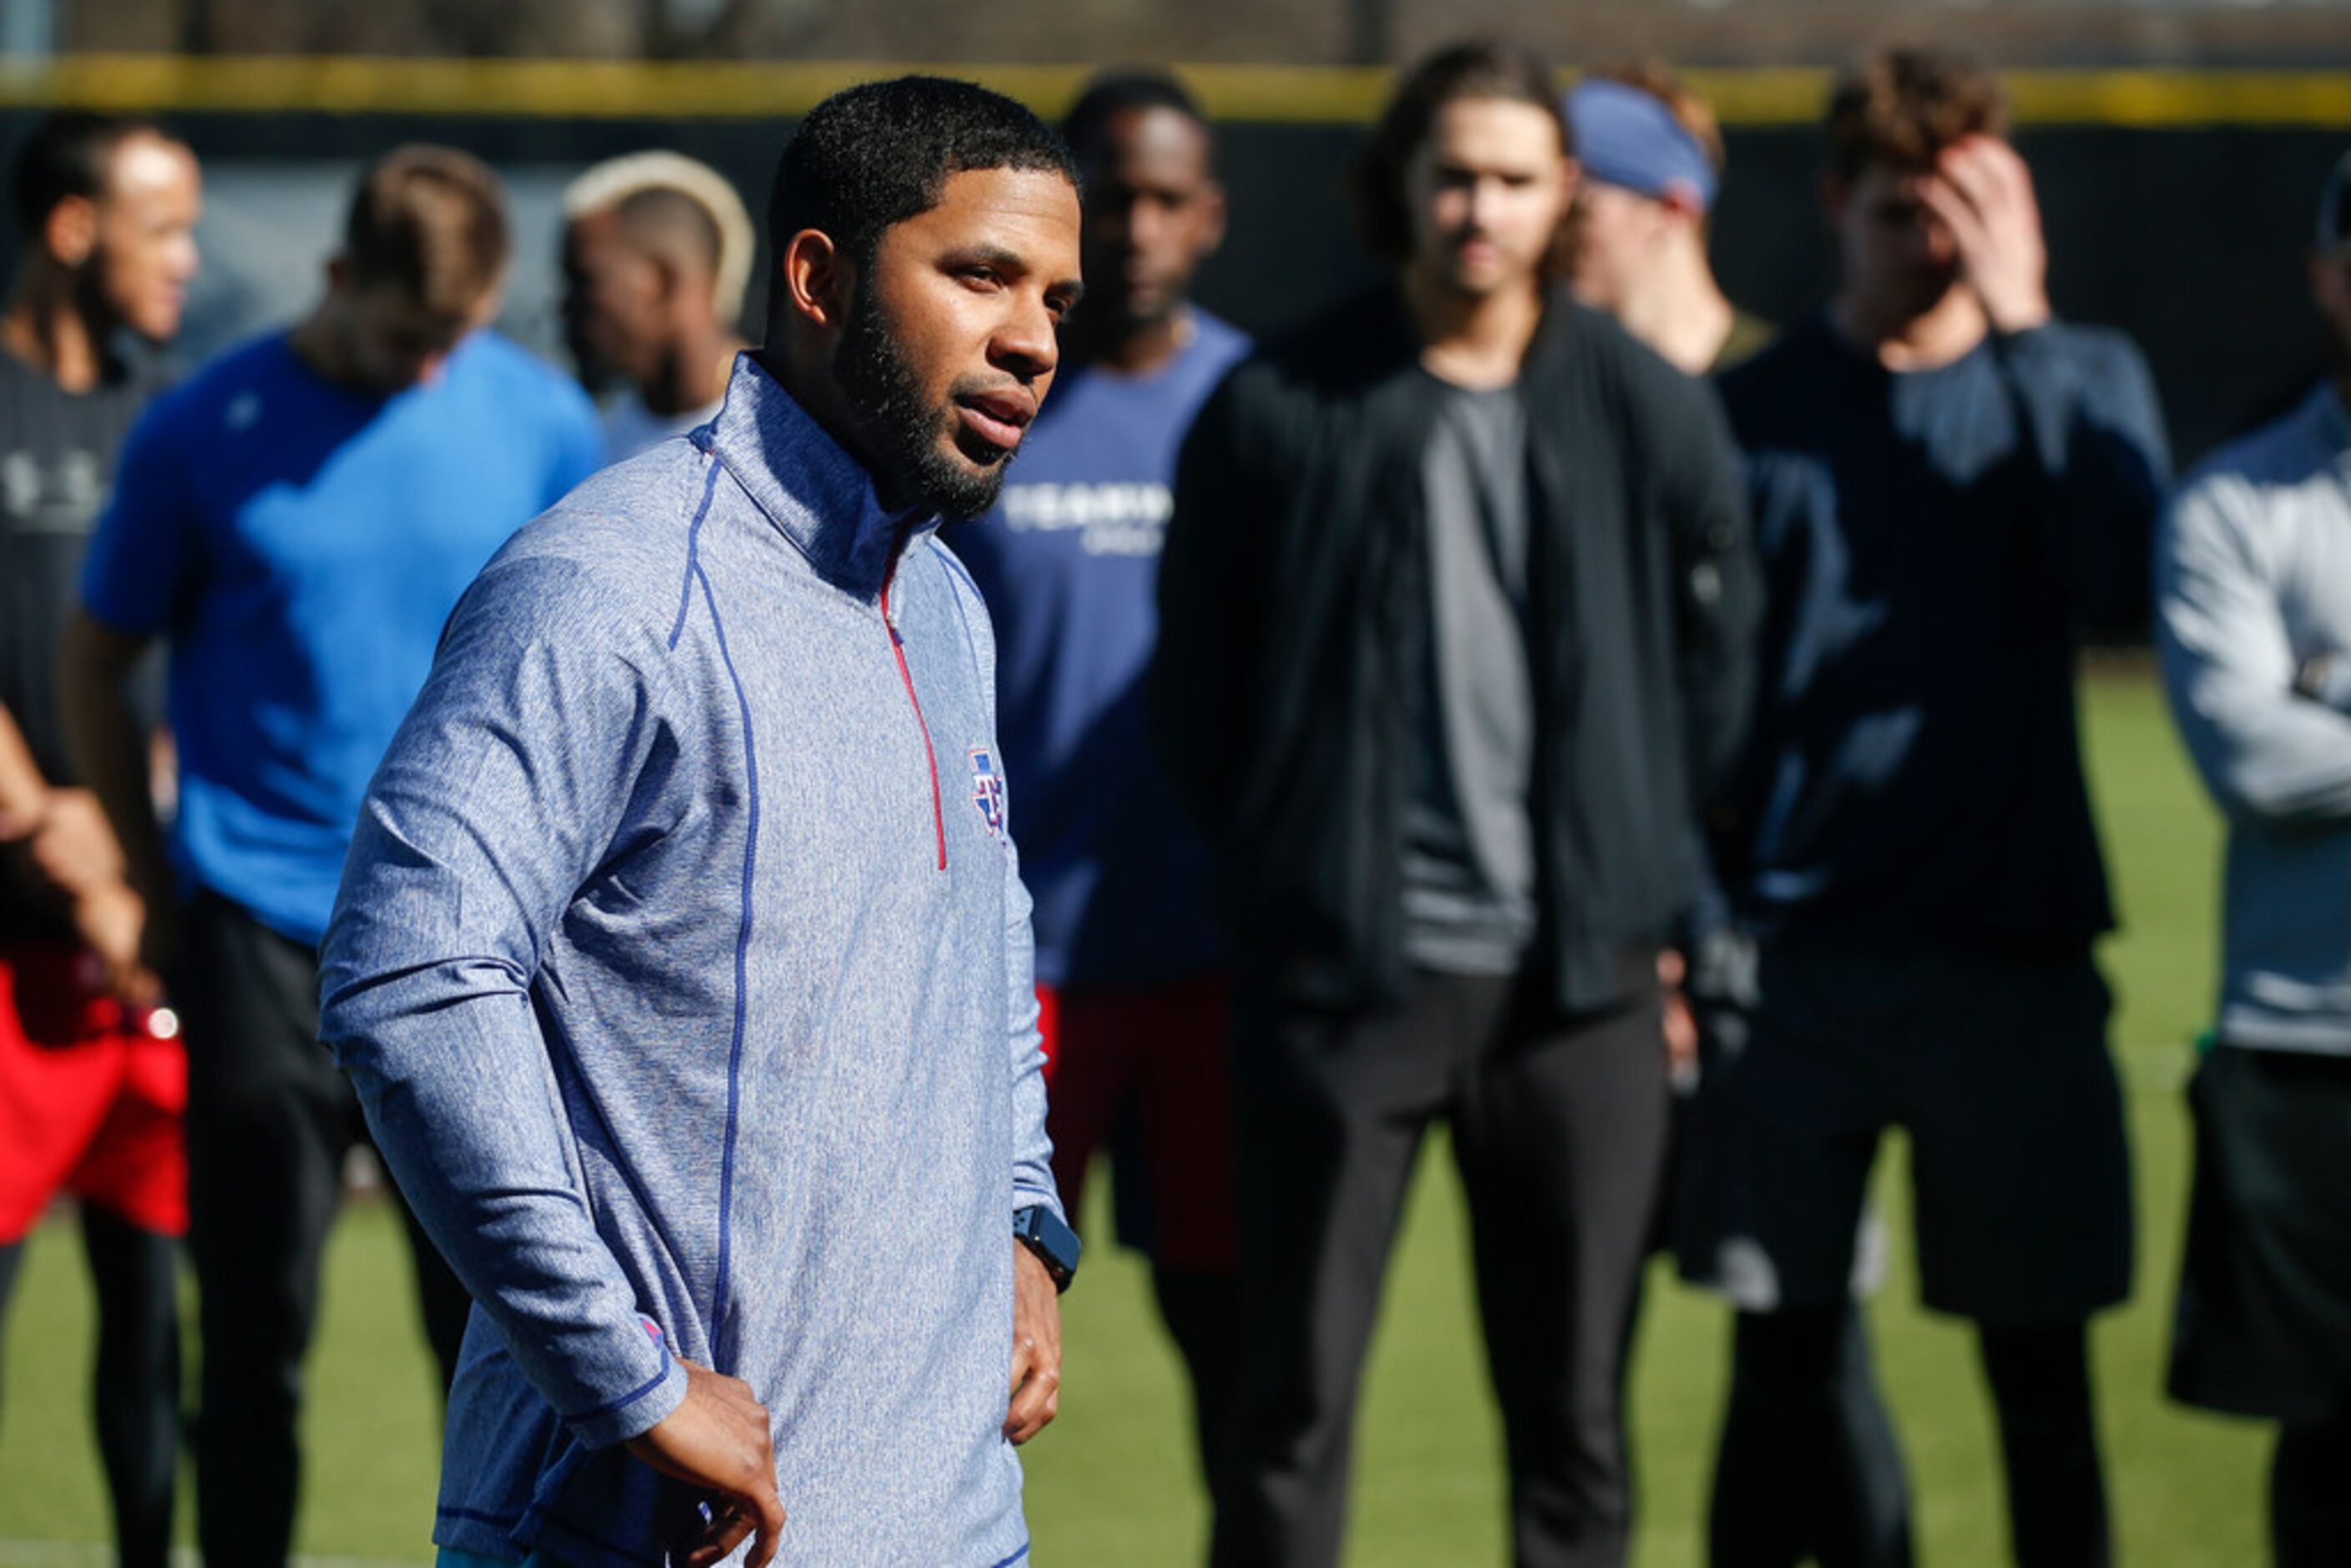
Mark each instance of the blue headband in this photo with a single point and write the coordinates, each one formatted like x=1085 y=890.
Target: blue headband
x=1626 y=137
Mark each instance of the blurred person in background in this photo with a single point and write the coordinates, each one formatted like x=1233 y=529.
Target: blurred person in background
x=295 y=523
x=656 y=250
x=2253 y=623
x=1949 y=485
x=1652 y=162
x=1135 y=1007
x=1454 y=619
x=92 y=1082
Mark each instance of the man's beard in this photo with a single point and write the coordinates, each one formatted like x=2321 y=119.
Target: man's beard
x=902 y=430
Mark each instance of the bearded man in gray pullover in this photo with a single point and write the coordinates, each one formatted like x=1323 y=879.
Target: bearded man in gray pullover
x=682 y=963
x=2253 y=620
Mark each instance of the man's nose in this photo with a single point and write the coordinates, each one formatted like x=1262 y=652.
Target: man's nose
x=1484 y=196
x=1147 y=222
x=1028 y=343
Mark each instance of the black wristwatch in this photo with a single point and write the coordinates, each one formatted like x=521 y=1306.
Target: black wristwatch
x=1040 y=1231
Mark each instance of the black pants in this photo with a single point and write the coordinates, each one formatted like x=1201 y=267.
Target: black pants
x=135 y=1385
x=2310 y=1514
x=1809 y=1471
x=269 y=1122
x=1559 y=1134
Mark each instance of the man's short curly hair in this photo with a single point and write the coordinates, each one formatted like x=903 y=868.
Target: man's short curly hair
x=1901 y=107
x=876 y=154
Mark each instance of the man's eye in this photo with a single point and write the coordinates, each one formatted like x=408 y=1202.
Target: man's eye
x=984 y=276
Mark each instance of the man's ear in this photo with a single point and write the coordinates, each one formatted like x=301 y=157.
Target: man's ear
x=1680 y=199
x=1835 y=194
x=71 y=230
x=817 y=279
x=669 y=278
x=2328 y=289
x=1212 y=226
x=1570 y=181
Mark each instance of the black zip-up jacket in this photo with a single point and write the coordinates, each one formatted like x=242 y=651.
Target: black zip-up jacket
x=1293 y=596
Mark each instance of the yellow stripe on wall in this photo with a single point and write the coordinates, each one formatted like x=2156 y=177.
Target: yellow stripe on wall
x=631 y=90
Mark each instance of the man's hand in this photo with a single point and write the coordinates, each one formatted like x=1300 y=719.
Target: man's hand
x=112 y=920
x=1981 y=190
x=1036 y=1347
x=1681 y=1024
x=718 y=1439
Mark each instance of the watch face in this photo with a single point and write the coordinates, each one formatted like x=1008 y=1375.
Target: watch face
x=1053 y=1242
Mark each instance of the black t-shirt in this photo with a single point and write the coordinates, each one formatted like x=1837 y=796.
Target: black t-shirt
x=57 y=451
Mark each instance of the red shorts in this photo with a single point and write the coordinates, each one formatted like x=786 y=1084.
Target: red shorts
x=90 y=1101
x=1162 y=1050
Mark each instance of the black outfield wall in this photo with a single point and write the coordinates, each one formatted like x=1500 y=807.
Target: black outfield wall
x=2191 y=239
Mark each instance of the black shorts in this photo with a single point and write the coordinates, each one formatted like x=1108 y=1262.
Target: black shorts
x=1997 y=1069
x=2263 y=1322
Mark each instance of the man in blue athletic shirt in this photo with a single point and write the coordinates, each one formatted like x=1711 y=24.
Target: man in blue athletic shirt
x=1129 y=978
x=297 y=521
x=1949 y=485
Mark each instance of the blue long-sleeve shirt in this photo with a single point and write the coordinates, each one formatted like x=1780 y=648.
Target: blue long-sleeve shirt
x=1070 y=564
x=1934 y=543
x=681 y=965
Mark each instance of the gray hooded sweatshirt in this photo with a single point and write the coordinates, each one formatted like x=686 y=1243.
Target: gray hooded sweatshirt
x=682 y=969
x=2253 y=602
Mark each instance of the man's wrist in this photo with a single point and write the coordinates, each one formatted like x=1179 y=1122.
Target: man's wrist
x=22 y=827
x=1050 y=1240
x=2015 y=321
x=639 y=1409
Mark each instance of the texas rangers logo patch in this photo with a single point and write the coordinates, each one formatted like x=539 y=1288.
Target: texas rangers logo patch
x=988 y=791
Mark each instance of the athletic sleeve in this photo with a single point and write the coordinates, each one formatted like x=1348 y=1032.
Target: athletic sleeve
x=2266 y=753
x=2094 y=432
x=499 y=796
x=145 y=547
x=1032 y=1147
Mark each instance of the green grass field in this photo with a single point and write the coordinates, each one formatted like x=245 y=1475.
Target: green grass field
x=1111 y=1482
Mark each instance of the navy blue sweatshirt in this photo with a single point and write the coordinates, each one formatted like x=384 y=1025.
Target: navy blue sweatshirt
x=1935 y=542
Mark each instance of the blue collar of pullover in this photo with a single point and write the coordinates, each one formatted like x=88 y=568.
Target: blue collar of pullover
x=816 y=494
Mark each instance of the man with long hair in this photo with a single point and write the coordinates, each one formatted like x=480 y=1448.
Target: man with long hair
x=1454 y=618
